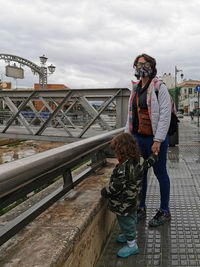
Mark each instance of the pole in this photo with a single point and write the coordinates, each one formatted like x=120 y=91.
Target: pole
x=43 y=78
x=175 y=76
x=176 y=91
x=198 y=110
x=176 y=96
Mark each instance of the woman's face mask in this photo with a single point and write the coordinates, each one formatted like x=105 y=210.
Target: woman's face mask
x=143 y=69
x=144 y=72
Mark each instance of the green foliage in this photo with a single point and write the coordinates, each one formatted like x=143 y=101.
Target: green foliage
x=15 y=144
x=78 y=166
x=13 y=205
x=16 y=203
x=174 y=94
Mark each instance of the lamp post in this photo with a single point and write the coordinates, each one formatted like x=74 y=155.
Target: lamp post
x=43 y=73
x=198 y=111
x=176 y=93
x=174 y=139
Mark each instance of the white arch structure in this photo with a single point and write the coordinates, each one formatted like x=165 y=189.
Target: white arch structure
x=42 y=71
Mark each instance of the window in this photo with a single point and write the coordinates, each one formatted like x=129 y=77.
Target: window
x=190 y=91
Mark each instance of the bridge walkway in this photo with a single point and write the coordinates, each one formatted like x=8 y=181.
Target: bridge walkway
x=177 y=243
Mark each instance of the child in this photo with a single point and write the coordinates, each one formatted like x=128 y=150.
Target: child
x=125 y=187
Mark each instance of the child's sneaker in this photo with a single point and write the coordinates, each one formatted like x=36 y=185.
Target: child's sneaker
x=121 y=238
x=126 y=251
x=160 y=218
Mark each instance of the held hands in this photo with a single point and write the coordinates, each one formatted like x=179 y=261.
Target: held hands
x=156 y=147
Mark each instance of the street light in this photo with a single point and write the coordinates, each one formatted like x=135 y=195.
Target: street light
x=43 y=59
x=176 y=94
x=43 y=73
x=51 y=68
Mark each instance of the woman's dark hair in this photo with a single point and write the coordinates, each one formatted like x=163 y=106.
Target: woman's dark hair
x=125 y=147
x=149 y=59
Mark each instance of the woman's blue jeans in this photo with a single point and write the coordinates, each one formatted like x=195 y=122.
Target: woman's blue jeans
x=159 y=168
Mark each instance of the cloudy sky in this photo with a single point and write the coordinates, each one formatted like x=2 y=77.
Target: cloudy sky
x=93 y=43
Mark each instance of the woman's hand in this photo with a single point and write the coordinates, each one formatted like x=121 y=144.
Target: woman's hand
x=156 y=147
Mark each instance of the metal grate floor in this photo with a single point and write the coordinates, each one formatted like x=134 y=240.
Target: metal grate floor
x=176 y=243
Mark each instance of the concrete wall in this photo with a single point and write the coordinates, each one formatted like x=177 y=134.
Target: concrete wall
x=72 y=232
x=87 y=251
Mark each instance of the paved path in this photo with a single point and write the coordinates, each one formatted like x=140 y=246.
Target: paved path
x=177 y=243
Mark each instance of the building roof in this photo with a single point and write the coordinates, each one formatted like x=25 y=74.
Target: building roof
x=53 y=86
x=187 y=83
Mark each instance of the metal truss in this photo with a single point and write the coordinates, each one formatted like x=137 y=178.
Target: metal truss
x=61 y=115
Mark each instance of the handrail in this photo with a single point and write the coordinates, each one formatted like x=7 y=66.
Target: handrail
x=16 y=173
x=20 y=177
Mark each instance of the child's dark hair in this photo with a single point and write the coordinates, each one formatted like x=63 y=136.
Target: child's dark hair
x=125 y=147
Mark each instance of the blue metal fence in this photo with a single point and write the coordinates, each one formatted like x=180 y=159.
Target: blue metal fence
x=31 y=114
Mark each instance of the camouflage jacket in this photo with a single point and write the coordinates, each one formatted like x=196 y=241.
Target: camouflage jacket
x=125 y=187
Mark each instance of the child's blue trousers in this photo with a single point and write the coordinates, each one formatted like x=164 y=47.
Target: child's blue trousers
x=128 y=225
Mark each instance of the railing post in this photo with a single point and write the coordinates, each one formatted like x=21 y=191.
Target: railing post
x=67 y=179
x=121 y=110
x=97 y=157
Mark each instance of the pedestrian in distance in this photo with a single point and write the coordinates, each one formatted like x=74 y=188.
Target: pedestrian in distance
x=148 y=120
x=192 y=115
x=125 y=187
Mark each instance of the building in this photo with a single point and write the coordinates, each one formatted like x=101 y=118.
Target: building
x=5 y=85
x=169 y=80
x=188 y=97
x=39 y=105
x=52 y=86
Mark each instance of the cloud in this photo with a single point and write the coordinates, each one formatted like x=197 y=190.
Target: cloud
x=93 y=43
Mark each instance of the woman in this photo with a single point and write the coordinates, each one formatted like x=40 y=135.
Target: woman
x=151 y=97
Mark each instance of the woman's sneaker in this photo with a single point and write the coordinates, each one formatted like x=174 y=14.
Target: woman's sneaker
x=160 y=218
x=141 y=214
x=121 y=238
x=126 y=251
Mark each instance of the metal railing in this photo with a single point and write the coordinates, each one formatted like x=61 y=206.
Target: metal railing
x=20 y=177
x=72 y=114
